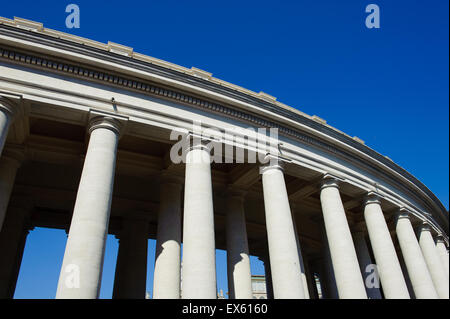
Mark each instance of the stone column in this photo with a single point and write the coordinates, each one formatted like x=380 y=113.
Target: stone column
x=7 y=112
x=166 y=280
x=303 y=271
x=81 y=271
x=389 y=269
x=284 y=260
x=405 y=273
x=443 y=253
x=131 y=268
x=199 y=255
x=416 y=266
x=365 y=263
x=312 y=289
x=434 y=262
x=328 y=280
x=12 y=243
x=238 y=260
x=349 y=280
x=300 y=256
x=9 y=163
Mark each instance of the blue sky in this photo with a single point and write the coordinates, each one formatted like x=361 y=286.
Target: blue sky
x=388 y=86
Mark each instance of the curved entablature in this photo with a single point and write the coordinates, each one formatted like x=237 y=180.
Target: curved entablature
x=29 y=43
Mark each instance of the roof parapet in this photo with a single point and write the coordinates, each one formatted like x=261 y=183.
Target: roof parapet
x=201 y=74
x=28 y=24
x=318 y=119
x=120 y=49
x=266 y=97
x=356 y=138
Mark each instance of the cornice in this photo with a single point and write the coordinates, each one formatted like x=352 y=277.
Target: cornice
x=71 y=69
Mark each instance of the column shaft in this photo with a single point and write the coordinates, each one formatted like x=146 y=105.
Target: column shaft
x=238 y=260
x=12 y=243
x=443 y=253
x=365 y=263
x=199 y=260
x=8 y=170
x=166 y=282
x=312 y=291
x=416 y=266
x=302 y=264
x=268 y=276
x=434 y=262
x=349 y=280
x=284 y=260
x=329 y=287
x=81 y=271
x=131 y=268
x=405 y=274
x=389 y=269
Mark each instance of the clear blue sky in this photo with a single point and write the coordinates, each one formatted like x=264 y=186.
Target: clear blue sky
x=388 y=86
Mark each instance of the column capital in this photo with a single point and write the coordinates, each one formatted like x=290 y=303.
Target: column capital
x=104 y=122
x=8 y=105
x=372 y=198
x=402 y=212
x=199 y=142
x=111 y=121
x=440 y=239
x=273 y=161
x=329 y=180
x=424 y=226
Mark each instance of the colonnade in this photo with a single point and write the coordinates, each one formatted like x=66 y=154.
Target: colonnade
x=195 y=276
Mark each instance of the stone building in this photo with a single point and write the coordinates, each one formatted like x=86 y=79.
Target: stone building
x=259 y=289
x=86 y=134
